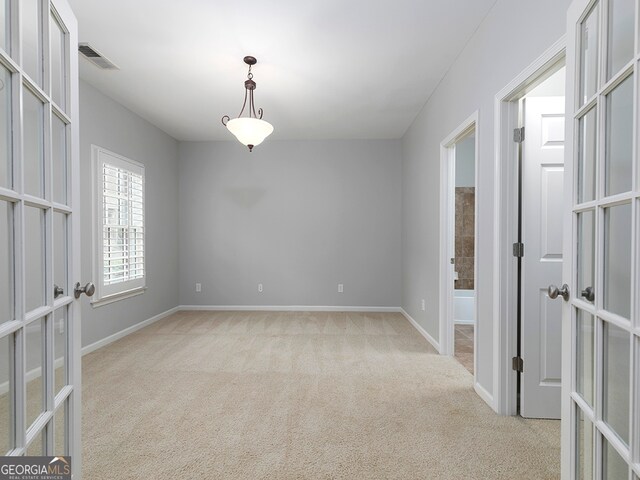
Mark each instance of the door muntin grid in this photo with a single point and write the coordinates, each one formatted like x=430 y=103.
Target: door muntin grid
x=36 y=329
x=606 y=339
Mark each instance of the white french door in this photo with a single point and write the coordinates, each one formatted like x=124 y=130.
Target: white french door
x=601 y=331
x=39 y=231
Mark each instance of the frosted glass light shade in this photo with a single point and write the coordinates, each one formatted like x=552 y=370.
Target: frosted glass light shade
x=250 y=131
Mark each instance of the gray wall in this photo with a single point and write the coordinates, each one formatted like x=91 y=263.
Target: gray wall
x=500 y=49
x=298 y=216
x=108 y=124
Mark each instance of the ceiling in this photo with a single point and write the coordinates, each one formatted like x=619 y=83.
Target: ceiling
x=326 y=68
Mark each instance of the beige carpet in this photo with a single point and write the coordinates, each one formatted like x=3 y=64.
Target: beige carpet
x=204 y=395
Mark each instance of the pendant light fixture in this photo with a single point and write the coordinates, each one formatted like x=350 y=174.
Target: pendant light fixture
x=251 y=130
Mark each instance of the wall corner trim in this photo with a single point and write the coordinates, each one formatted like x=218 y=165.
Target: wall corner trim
x=421 y=330
x=127 y=331
x=287 y=308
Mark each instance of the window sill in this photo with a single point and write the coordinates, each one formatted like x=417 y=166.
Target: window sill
x=116 y=297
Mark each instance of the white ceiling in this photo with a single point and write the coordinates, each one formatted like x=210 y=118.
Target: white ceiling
x=326 y=68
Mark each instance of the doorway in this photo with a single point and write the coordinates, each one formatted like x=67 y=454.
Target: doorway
x=464 y=292
x=458 y=237
x=528 y=202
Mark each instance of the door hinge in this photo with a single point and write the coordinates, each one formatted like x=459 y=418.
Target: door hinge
x=517 y=364
x=518 y=135
x=518 y=249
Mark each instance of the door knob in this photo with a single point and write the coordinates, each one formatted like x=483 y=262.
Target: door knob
x=57 y=291
x=89 y=289
x=554 y=292
x=588 y=294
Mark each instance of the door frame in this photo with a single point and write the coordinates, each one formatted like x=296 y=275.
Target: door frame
x=505 y=210
x=447 y=235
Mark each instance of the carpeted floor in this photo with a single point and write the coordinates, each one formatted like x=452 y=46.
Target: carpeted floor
x=271 y=395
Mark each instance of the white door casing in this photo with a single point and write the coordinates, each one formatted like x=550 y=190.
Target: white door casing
x=40 y=382
x=542 y=200
x=447 y=238
x=601 y=337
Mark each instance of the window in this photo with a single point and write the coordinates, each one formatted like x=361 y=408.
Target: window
x=119 y=226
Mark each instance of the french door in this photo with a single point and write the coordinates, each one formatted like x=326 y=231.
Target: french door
x=39 y=231
x=601 y=336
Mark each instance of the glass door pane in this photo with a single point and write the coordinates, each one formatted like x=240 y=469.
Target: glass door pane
x=585 y=356
x=60 y=348
x=621 y=33
x=590 y=33
x=34 y=348
x=59 y=159
x=6 y=414
x=5 y=128
x=613 y=465
x=60 y=253
x=619 y=139
x=617 y=256
x=587 y=157
x=57 y=49
x=35 y=260
x=33 y=144
x=617 y=362
x=7 y=310
x=31 y=29
x=584 y=446
x=60 y=431
x=586 y=255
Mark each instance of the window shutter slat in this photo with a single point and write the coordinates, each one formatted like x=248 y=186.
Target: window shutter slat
x=123 y=225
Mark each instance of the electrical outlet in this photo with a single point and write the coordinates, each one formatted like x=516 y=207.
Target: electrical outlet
x=259 y=288
x=424 y=307
x=340 y=288
x=198 y=287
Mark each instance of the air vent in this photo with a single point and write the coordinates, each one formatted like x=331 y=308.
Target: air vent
x=96 y=57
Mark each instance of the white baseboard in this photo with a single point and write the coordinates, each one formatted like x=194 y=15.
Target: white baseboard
x=250 y=308
x=422 y=331
x=127 y=331
x=286 y=308
x=484 y=394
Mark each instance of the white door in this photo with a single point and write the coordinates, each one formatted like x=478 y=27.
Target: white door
x=601 y=338
x=542 y=199
x=39 y=231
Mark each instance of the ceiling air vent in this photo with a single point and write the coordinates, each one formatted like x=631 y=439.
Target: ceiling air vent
x=96 y=57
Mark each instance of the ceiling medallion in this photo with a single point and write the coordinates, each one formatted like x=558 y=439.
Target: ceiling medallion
x=251 y=130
